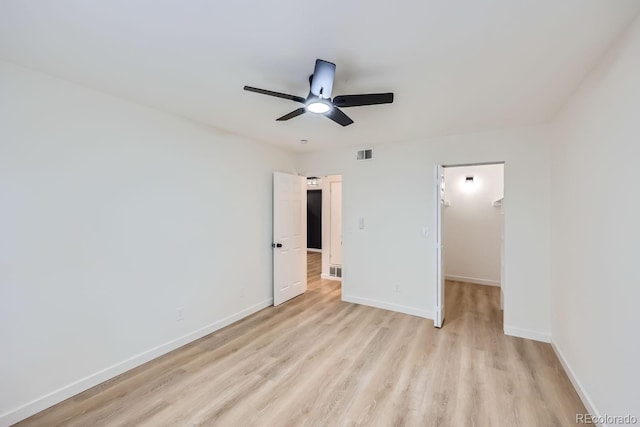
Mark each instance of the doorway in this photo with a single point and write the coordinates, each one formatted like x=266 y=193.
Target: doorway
x=291 y=259
x=314 y=215
x=470 y=242
x=324 y=231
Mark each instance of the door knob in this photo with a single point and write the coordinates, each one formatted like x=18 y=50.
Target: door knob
x=276 y=245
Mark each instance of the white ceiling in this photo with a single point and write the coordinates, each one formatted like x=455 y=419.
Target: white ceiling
x=455 y=66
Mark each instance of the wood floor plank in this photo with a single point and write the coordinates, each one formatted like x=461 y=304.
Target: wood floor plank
x=318 y=361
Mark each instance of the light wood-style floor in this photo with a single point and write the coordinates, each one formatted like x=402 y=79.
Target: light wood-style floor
x=318 y=361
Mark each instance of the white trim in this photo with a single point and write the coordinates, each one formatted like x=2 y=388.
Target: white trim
x=314 y=250
x=327 y=277
x=414 y=311
x=588 y=403
x=472 y=280
x=28 y=409
x=527 y=333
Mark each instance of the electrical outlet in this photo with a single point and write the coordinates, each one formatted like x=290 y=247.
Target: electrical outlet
x=179 y=314
x=396 y=288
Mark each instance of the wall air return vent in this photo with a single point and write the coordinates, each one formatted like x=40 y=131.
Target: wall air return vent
x=335 y=271
x=365 y=155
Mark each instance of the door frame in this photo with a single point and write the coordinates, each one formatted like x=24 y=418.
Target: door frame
x=439 y=290
x=438 y=318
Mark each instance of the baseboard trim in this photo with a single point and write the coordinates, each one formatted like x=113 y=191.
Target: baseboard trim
x=327 y=277
x=586 y=401
x=473 y=280
x=527 y=333
x=414 y=311
x=24 y=411
x=314 y=250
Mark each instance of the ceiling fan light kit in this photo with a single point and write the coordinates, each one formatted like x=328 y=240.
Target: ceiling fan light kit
x=319 y=99
x=318 y=106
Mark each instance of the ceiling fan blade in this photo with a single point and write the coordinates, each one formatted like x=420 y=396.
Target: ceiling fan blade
x=361 y=100
x=322 y=79
x=276 y=94
x=291 y=115
x=338 y=116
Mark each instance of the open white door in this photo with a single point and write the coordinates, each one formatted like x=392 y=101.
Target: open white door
x=439 y=318
x=289 y=236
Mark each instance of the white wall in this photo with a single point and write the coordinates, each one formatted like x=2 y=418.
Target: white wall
x=112 y=216
x=472 y=225
x=596 y=232
x=395 y=194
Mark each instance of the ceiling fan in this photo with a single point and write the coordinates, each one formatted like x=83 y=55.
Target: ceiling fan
x=319 y=99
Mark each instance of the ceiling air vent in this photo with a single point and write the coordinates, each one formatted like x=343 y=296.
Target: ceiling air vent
x=365 y=155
